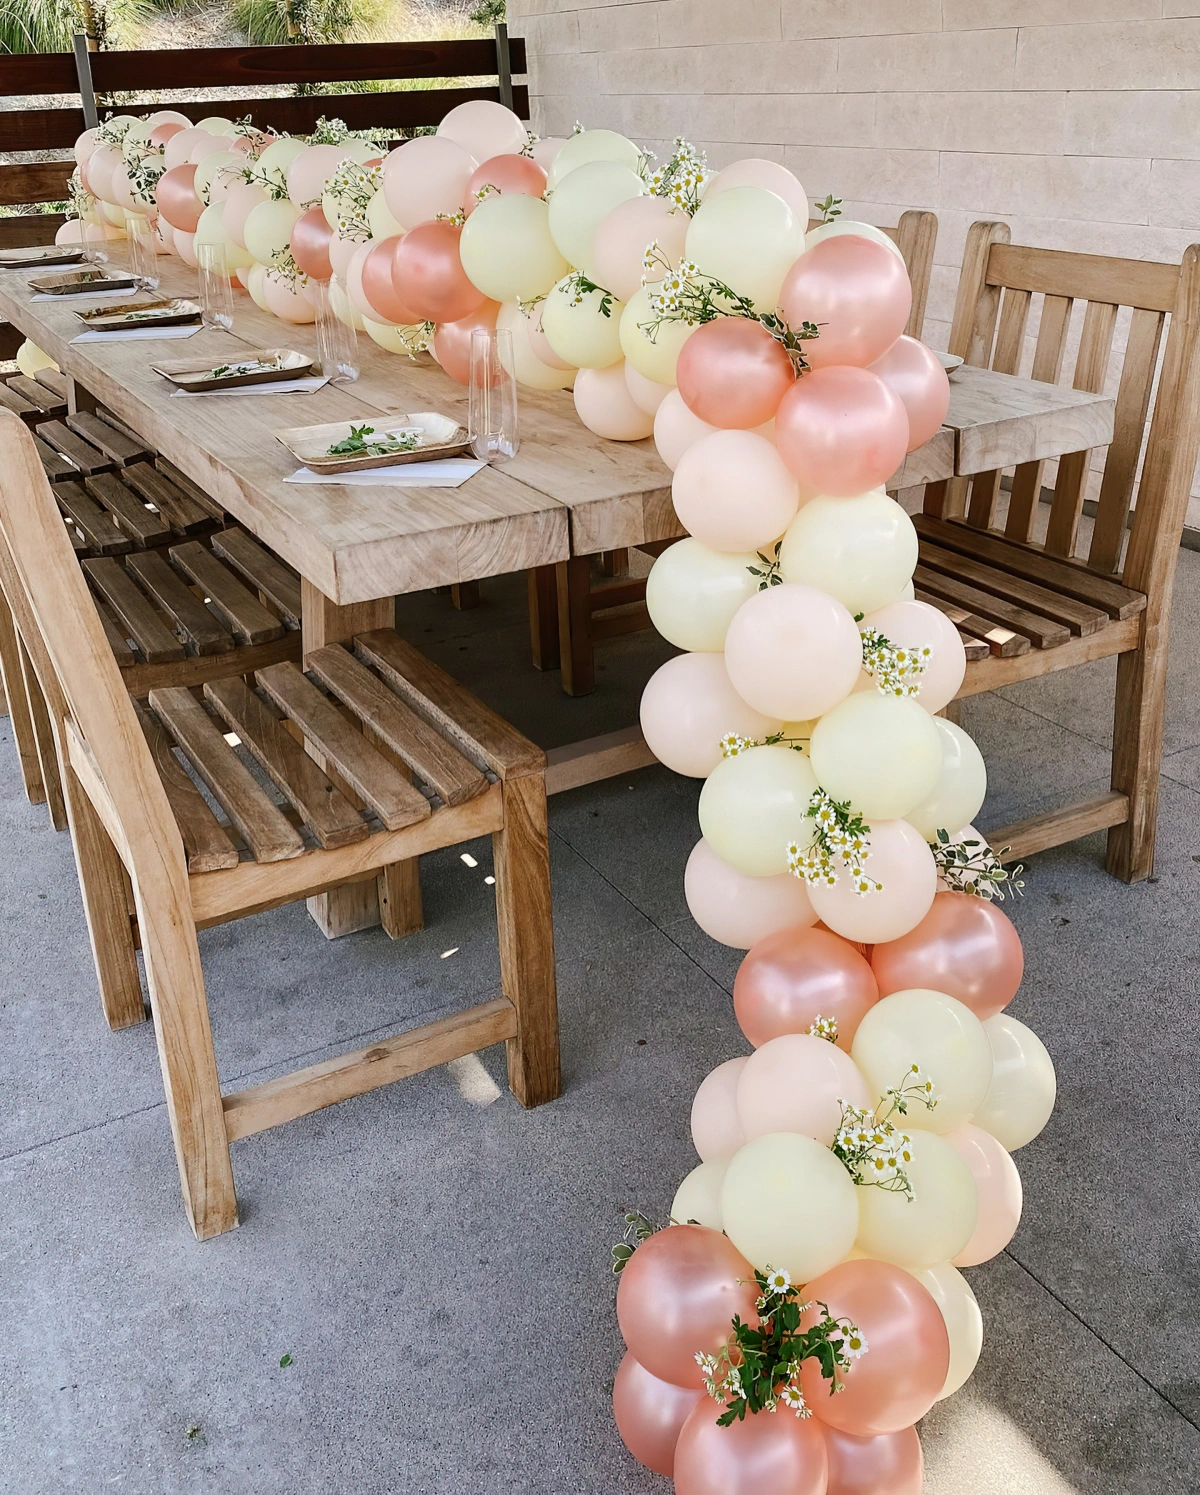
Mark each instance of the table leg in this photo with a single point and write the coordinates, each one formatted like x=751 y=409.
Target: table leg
x=543 y=617
x=575 y=626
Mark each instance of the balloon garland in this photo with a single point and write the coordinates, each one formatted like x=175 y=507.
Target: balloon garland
x=862 y=1153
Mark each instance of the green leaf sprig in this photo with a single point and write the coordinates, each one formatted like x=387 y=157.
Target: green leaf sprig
x=364 y=441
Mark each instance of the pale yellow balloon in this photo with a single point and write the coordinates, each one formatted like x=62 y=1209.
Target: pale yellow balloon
x=115 y=215
x=211 y=230
x=862 y=550
x=215 y=124
x=208 y=173
x=361 y=151
x=343 y=308
x=957 y=797
x=652 y=354
x=528 y=367
x=577 y=328
x=583 y=200
x=881 y=753
x=591 y=145
x=841 y=226
x=394 y=339
x=507 y=249
x=932 y=1226
x=698 y=1197
x=255 y=277
x=1021 y=1096
x=952 y=1293
x=748 y=238
x=280 y=154
x=944 y=1039
x=753 y=805
x=788 y=1202
x=380 y=219
x=692 y=593
x=32 y=360
x=268 y=229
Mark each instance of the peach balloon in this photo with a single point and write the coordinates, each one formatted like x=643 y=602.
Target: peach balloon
x=915 y=373
x=308 y=172
x=762 y=1455
x=964 y=946
x=732 y=491
x=101 y=164
x=678 y=1294
x=452 y=341
x=899 y=860
x=484 y=128
x=310 y=243
x=688 y=705
x=85 y=145
x=716 y=1126
x=165 y=234
x=792 y=651
x=756 y=172
x=647 y=394
x=736 y=909
x=841 y=431
x=177 y=200
x=505 y=174
x=241 y=199
x=796 y=1083
x=204 y=145
x=604 y=404
x=425 y=177
x=917 y=625
x=382 y=304
x=539 y=343
x=856 y=291
x=888 y=1464
x=427 y=272
x=285 y=301
x=160 y=134
x=649 y=1413
x=178 y=148
x=908 y=1349
x=341 y=253
x=185 y=247
x=998 y=1185
x=733 y=373
x=792 y=977
x=624 y=235
x=675 y=427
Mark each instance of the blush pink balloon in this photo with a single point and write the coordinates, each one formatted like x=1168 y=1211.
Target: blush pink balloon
x=716 y=1126
x=507 y=174
x=678 y=1294
x=675 y=427
x=177 y=198
x=604 y=405
x=101 y=164
x=425 y=177
x=903 y=863
x=241 y=198
x=452 y=341
x=841 y=431
x=178 y=148
x=797 y=1083
x=915 y=373
x=341 y=253
x=427 y=273
x=539 y=343
x=793 y=977
x=738 y=910
x=1000 y=1195
x=763 y=1455
x=164 y=233
x=649 y=1414
x=287 y=301
x=688 y=705
x=858 y=293
x=732 y=491
x=626 y=233
x=160 y=134
x=310 y=244
x=888 y=1464
x=733 y=373
x=382 y=304
x=964 y=946
x=185 y=247
x=252 y=144
x=203 y=146
x=770 y=175
x=308 y=172
x=85 y=145
x=792 y=651
x=908 y=1349
x=916 y=624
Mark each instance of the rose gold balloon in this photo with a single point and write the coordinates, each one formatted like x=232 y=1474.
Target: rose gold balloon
x=310 y=244
x=649 y=1414
x=679 y=1293
x=790 y=979
x=890 y=1464
x=427 y=273
x=915 y=373
x=507 y=174
x=964 y=946
x=998 y=1185
x=160 y=134
x=733 y=373
x=452 y=341
x=842 y=431
x=766 y=1454
x=908 y=1349
x=379 y=289
x=177 y=200
x=858 y=293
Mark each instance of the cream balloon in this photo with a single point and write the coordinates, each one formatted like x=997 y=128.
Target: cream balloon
x=943 y=1038
x=343 y=308
x=882 y=753
x=732 y=491
x=215 y=124
x=31 y=360
x=268 y=229
x=576 y=325
x=214 y=175
x=380 y=219
x=850 y=226
x=916 y=625
x=798 y=1083
x=546 y=149
x=626 y=233
x=115 y=216
x=394 y=339
x=587 y=146
x=605 y=406
x=1021 y=1096
x=206 y=144
x=957 y=796
x=507 y=249
x=255 y=277
x=484 y=129
x=211 y=230
x=645 y=393
x=937 y=1222
x=537 y=339
x=716 y=1128
x=748 y=238
x=583 y=200
x=361 y=151
x=754 y=807
x=952 y=1293
x=278 y=156
x=787 y=1202
x=693 y=592
x=688 y=705
x=903 y=865
x=101 y=164
x=656 y=353
x=675 y=427
x=861 y=550
x=698 y=1198
x=756 y=172
x=528 y=367
x=738 y=910
x=792 y=651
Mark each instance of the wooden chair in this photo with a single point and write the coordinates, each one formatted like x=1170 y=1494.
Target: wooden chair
x=1039 y=606
x=579 y=602
x=356 y=731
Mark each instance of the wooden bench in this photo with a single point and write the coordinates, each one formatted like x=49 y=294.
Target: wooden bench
x=1017 y=583
x=376 y=756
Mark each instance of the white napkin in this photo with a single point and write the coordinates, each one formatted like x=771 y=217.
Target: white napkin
x=136 y=334
x=283 y=387
x=85 y=295
x=449 y=472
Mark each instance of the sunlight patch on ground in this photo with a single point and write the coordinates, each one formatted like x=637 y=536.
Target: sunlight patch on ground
x=473 y=1081
x=972 y=1446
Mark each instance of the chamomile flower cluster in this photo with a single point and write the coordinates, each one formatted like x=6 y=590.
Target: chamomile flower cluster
x=578 y=286
x=824 y=1027
x=352 y=186
x=678 y=293
x=897 y=669
x=680 y=179
x=337 y=131
x=842 y=844
x=113 y=131
x=872 y=1148
x=733 y=744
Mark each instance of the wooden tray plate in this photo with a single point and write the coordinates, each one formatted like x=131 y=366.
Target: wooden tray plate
x=75 y=281
x=439 y=435
x=39 y=254
x=125 y=314
x=197 y=374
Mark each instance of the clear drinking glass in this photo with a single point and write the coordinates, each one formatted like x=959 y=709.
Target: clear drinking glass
x=337 y=342
x=216 y=294
x=94 y=238
x=493 y=422
x=143 y=253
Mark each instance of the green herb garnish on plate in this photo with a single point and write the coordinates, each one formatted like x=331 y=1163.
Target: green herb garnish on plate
x=359 y=443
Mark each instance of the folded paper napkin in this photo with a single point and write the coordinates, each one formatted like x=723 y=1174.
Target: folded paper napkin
x=450 y=472
x=125 y=291
x=137 y=334
x=280 y=387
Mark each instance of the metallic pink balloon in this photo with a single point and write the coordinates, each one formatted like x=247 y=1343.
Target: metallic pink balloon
x=379 y=288
x=160 y=134
x=769 y=1453
x=649 y=1414
x=858 y=293
x=679 y=1293
x=964 y=946
x=310 y=244
x=452 y=341
x=790 y=979
x=841 y=431
x=177 y=198
x=890 y=1464
x=517 y=174
x=427 y=273
x=733 y=373
x=915 y=373
x=998 y=1185
x=908 y=1349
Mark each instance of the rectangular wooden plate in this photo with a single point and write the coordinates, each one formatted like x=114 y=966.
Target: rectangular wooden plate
x=39 y=254
x=440 y=436
x=75 y=281
x=193 y=373
x=139 y=314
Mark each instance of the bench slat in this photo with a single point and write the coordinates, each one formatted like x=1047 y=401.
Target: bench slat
x=240 y=608
x=205 y=844
x=1002 y=642
x=130 y=513
x=112 y=442
x=191 y=619
x=1077 y=616
x=262 y=570
x=137 y=617
x=182 y=513
x=101 y=534
x=1043 y=632
x=83 y=454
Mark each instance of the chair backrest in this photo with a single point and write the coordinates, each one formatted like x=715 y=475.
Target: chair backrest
x=915 y=236
x=997 y=291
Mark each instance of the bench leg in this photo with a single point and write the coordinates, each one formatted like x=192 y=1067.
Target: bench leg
x=18 y=708
x=1137 y=753
x=543 y=617
x=400 y=909
x=43 y=740
x=526 y=930
x=614 y=562
x=465 y=595
x=576 y=657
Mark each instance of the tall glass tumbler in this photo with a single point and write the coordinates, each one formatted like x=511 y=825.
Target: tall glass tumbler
x=337 y=342
x=493 y=421
x=216 y=294
x=95 y=241
x=143 y=252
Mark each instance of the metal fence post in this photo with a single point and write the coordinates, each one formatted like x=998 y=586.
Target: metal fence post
x=83 y=72
x=503 y=65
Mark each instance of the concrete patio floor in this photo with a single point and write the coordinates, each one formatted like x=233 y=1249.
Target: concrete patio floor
x=435 y=1261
